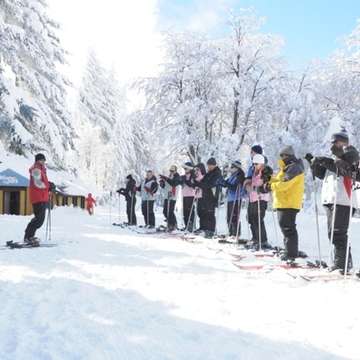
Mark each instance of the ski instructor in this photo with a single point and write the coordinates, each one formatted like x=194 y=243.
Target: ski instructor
x=39 y=189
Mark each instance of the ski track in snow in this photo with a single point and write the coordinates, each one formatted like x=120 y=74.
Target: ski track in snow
x=109 y=293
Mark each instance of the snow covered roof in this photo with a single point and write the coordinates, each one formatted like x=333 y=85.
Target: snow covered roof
x=10 y=178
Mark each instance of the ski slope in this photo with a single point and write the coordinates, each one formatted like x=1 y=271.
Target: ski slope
x=109 y=293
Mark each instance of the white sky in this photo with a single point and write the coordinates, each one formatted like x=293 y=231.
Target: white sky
x=122 y=32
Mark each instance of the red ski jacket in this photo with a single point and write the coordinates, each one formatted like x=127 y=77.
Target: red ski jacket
x=39 y=184
x=90 y=202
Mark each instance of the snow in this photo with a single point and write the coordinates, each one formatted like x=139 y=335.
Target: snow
x=109 y=293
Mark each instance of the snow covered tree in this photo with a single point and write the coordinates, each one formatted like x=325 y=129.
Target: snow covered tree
x=35 y=91
x=106 y=149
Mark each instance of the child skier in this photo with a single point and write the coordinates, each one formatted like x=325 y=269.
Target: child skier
x=90 y=203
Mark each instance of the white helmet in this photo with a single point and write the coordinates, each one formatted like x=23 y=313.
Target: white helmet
x=258 y=159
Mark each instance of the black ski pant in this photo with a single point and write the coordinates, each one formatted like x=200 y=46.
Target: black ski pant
x=208 y=214
x=169 y=213
x=130 y=210
x=37 y=221
x=233 y=217
x=147 y=209
x=189 y=212
x=287 y=222
x=202 y=213
x=256 y=212
x=340 y=238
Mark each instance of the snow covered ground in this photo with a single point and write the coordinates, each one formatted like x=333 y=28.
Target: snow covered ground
x=108 y=293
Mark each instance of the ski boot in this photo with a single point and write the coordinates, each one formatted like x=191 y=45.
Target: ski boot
x=32 y=241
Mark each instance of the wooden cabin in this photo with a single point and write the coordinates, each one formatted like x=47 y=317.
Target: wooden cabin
x=14 y=195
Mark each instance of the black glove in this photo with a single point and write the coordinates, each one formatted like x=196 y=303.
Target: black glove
x=309 y=157
x=52 y=186
x=266 y=174
x=162 y=183
x=338 y=152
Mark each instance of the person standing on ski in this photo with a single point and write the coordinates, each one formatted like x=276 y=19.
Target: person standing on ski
x=90 y=203
x=39 y=189
x=148 y=190
x=210 y=196
x=188 y=193
x=234 y=184
x=288 y=192
x=255 y=150
x=129 y=192
x=199 y=173
x=169 y=185
x=258 y=200
x=338 y=174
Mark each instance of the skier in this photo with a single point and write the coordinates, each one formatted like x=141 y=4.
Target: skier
x=169 y=185
x=255 y=150
x=148 y=189
x=288 y=192
x=234 y=184
x=258 y=199
x=210 y=196
x=129 y=192
x=39 y=190
x=188 y=193
x=199 y=173
x=90 y=203
x=338 y=175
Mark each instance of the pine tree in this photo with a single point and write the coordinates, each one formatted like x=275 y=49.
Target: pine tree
x=36 y=94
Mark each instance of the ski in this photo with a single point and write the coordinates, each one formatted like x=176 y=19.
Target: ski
x=262 y=266
x=18 y=245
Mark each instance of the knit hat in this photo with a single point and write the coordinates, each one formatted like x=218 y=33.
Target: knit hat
x=211 y=161
x=129 y=177
x=257 y=149
x=287 y=150
x=258 y=159
x=188 y=165
x=39 y=157
x=340 y=136
x=236 y=164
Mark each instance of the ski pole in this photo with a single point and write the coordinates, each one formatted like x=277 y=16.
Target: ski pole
x=191 y=212
x=132 y=209
x=119 y=209
x=259 y=221
x=230 y=222
x=238 y=221
x=219 y=192
x=350 y=222
x=275 y=226
x=48 y=223
x=110 y=215
x=316 y=213
x=333 y=218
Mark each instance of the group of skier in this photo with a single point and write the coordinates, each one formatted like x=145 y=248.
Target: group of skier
x=201 y=189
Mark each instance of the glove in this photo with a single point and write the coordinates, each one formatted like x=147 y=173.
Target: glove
x=309 y=157
x=162 y=183
x=338 y=152
x=220 y=182
x=52 y=186
x=267 y=173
